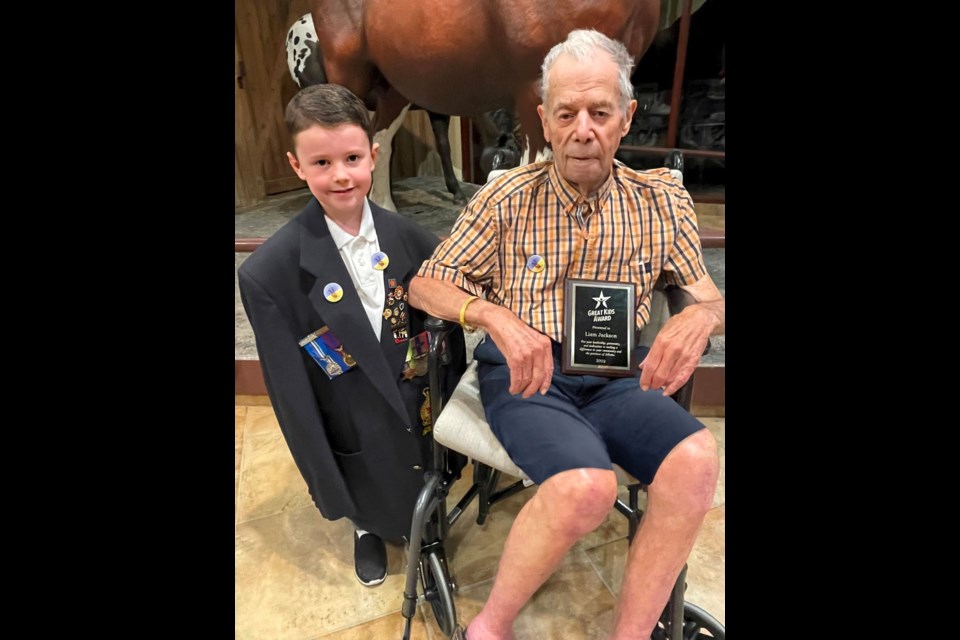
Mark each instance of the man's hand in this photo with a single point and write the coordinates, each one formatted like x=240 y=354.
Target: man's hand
x=679 y=345
x=526 y=350
x=676 y=350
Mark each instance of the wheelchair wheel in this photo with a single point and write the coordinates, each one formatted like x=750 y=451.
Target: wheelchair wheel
x=696 y=621
x=697 y=625
x=438 y=590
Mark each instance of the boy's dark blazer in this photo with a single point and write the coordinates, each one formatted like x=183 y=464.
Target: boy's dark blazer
x=357 y=439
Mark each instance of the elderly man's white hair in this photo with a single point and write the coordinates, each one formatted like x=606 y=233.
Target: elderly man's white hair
x=583 y=44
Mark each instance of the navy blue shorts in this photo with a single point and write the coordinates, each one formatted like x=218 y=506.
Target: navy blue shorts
x=582 y=421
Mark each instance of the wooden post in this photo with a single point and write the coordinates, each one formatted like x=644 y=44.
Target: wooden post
x=677 y=95
x=249 y=186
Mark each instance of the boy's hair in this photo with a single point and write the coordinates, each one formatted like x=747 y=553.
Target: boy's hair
x=327 y=105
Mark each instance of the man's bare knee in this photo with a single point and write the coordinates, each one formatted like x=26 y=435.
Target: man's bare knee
x=690 y=471
x=579 y=499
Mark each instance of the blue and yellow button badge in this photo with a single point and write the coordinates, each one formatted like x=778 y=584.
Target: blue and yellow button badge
x=379 y=260
x=333 y=292
x=536 y=263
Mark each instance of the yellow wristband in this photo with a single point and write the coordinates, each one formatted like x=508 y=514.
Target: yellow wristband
x=463 y=314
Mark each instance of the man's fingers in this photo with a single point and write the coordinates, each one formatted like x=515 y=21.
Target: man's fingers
x=654 y=377
x=516 y=379
x=530 y=359
x=648 y=369
x=679 y=379
x=530 y=390
x=527 y=376
x=520 y=375
x=542 y=375
x=547 y=378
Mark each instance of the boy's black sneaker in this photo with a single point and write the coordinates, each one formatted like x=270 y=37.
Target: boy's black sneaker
x=369 y=557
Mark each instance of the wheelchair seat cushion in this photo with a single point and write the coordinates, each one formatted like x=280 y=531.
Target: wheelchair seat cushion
x=463 y=427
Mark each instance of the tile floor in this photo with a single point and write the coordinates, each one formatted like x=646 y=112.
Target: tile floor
x=294 y=569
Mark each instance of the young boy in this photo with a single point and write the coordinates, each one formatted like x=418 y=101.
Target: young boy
x=342 y=352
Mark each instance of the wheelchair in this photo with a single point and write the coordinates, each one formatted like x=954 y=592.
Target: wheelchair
x=461 y=427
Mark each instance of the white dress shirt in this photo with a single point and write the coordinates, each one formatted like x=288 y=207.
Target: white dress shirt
x=357 y=253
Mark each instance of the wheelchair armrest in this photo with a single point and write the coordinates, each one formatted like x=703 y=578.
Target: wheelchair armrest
x=438 y=329
x=434 y=324
x=677 y=298
x=677 y=301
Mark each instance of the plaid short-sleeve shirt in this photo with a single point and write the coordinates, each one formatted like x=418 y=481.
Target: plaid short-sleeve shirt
x=640 y=223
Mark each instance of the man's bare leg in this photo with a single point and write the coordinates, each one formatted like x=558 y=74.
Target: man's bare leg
x=566 y=507
x=677 y=501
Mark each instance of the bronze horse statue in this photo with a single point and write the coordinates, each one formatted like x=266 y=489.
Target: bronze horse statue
x=463 y=57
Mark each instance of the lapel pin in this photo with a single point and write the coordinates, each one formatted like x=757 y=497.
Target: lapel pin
x=333 y=292
x=379 y=260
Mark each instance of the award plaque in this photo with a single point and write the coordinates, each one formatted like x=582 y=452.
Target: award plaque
x=599 y=328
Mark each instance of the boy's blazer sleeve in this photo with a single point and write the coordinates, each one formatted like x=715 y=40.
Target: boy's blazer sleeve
x=294 y=400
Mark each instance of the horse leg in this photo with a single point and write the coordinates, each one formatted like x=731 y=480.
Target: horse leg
x=534 y=144
x=501 y=147
x=441 y=129
x=380 y=191
x=489 y=131
x=391 y=110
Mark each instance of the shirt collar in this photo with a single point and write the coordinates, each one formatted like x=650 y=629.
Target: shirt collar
x=570 y=196
x=367 y=231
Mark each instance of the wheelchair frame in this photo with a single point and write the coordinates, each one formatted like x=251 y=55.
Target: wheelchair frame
x=426 y=557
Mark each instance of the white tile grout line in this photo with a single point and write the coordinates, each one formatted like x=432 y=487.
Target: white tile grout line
x=596 y=569
x=236 y=494
x=359 y=623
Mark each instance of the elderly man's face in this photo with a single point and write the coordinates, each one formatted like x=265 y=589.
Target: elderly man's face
x=583 y=121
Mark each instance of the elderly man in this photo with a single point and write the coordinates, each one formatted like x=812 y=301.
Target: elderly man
x=583 y=215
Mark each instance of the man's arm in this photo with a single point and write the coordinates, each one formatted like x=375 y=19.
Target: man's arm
x=526 y=350
x=676 y=351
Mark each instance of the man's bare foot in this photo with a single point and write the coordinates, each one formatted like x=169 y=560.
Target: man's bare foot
x=477 y=630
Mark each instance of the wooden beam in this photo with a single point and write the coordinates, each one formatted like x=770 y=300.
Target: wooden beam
x=249 y=187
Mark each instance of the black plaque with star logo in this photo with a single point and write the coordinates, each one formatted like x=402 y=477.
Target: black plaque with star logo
x=599 y=324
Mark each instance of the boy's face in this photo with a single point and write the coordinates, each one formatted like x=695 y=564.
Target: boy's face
x=336 y=164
